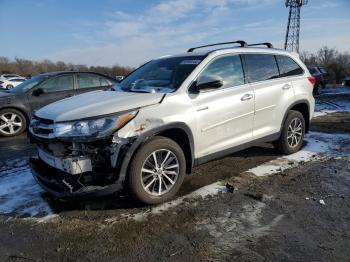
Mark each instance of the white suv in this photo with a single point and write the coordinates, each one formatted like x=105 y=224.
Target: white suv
x=169 y=115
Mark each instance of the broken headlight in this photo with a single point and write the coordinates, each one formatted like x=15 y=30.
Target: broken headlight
x=94 y=127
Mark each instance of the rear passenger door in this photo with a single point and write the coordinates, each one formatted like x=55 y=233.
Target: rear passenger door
x=224 y=115
x=91 y=82
x=272 y=93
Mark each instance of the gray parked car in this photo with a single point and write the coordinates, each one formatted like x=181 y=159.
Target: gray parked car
x=18 y=104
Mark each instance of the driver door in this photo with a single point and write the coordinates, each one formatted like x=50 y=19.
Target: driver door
x=224 y=115
x=52 y=90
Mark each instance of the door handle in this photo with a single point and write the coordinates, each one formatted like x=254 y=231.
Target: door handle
x=286 y=86
x=246 y=97
x=68 y=95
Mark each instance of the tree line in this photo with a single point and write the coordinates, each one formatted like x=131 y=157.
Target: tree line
x=335 y=62
x=28 y=68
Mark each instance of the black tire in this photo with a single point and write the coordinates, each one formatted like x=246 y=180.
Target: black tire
x=137 y=184
x=283 y=143
x=20 y=118
x=9 y=87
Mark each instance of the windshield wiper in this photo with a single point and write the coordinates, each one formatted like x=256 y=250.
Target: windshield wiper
x=138 y=91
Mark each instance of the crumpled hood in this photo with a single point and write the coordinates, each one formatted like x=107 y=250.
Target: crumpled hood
x=96 y=103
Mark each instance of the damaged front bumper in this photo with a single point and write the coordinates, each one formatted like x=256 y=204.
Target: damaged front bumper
x=75 y=170
x=66 y=186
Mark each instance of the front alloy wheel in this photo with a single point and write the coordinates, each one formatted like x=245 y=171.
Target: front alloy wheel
x=157 y=171
x=12 y=122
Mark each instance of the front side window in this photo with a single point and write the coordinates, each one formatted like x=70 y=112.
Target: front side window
x=88 y=81
x=261 y=67
x=288 y=67
x=17 y=80
x=163 y=75
x=27 y=85
x=228 y=68
x=60 y=83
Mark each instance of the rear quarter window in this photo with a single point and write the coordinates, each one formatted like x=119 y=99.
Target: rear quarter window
x=261 y=67
x=288 y=67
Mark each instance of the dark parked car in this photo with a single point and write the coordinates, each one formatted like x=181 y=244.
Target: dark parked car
x=18 y=104
x=320 y=75
x=346 y=81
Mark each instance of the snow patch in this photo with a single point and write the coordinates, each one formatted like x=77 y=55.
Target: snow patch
x=236 y=229
x=201 y=193
x=20 y=195
x=319 y=145
x=327 y=107
x=343 y=90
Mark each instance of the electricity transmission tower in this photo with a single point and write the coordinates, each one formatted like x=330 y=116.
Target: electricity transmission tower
x=293 y=27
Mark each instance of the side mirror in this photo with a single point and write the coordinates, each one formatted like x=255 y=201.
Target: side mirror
x=38 y=92
x=209 y=82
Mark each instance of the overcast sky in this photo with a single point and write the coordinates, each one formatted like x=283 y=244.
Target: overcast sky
x=130 y=32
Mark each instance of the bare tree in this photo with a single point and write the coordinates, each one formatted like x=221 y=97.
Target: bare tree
x=27 y=67
x=327 y=56
x=336 y=63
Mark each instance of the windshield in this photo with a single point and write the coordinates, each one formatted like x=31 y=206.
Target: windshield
x=28 y=84
x=163 y=75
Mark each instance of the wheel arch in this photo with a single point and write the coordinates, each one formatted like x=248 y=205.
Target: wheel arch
x=302 y=106
x=178 y=132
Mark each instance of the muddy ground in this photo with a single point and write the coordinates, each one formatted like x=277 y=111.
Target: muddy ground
x=299 y=214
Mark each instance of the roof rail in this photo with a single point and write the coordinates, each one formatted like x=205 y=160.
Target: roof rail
x=268 y=45
x=242 y=43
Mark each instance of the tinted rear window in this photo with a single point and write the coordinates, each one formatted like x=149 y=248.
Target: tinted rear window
x=288 y=67
x=261 y=67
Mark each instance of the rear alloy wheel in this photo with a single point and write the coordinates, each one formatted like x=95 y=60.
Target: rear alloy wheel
x=12 y=122
x=9 y=87
x=295 y=133
x=157 y=171
x=292 y=136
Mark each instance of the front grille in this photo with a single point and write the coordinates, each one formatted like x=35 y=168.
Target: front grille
x=43 y=128
x=44 y=121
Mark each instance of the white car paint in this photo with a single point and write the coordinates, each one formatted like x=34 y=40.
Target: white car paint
x=11 y=82
x=7 y=76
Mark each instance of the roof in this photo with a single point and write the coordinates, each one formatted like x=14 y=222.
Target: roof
x=227 y=49
x=72 y=72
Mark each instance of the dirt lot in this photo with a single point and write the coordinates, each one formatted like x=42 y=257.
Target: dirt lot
x=293 y=208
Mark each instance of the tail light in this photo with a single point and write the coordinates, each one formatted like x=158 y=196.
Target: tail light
x=312 y=80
